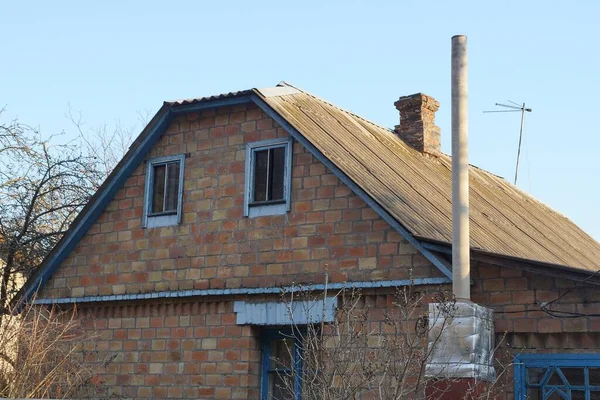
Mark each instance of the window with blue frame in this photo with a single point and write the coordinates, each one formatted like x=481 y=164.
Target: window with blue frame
x=268 y=177
x=281 y=366
x=557 y=377
x=163 y=192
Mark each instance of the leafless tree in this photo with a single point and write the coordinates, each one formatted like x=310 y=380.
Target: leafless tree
x=44 y=185
x=106 y=144
x=42 y=188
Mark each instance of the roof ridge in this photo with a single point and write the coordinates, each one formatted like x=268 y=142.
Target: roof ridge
x=284 y=83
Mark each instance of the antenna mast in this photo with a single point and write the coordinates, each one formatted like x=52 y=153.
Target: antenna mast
x=514 y=107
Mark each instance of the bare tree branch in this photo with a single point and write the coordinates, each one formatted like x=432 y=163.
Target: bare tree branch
x=43 y=186
x=364 y=354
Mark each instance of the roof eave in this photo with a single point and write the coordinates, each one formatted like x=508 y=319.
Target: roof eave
x=544 y=268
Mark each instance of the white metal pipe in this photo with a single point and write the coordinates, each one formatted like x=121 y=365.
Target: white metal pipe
x=461 y=267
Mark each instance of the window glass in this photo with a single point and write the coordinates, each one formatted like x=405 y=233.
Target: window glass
x=277 y=173
x=158 y=188
x=165 y=188
x=280 y=387
x=261 y=169
x=579 y=395
x=533 y=393
x=172 y=190
x=575 y=376
x=281 y=353
x=535 y=375
x=282 y=367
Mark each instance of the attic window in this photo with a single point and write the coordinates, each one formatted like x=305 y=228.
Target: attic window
x=268 y=177
x=164 y=191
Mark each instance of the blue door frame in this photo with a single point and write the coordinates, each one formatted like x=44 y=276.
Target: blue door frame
x=268 y=336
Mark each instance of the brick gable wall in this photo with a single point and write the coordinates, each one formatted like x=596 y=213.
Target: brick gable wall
x=328 y=228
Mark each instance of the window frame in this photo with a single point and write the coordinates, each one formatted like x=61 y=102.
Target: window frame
x=524 y=361
x=154 y=220
x=277 y=207
x=267 y=338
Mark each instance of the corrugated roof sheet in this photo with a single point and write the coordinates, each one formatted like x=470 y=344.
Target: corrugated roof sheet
x=416 y=188
x=201 y=99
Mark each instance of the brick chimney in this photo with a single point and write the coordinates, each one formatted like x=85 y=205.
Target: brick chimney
x=417 y=122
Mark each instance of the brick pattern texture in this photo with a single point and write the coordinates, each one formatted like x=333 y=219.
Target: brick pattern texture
x=328 y=228
x=191 y=350
x=194 y=349
x=417 y=123
x=522 y=327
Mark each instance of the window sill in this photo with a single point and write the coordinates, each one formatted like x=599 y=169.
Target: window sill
x=157 y=221
x=267 y=209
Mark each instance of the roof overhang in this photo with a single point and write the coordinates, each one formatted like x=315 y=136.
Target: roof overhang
x=536 y=267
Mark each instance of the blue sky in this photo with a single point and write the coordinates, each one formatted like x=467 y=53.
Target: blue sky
x=111 y=59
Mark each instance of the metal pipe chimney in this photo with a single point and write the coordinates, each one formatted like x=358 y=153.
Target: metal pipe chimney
x=461 y=267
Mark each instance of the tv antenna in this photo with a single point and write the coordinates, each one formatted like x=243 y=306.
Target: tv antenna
x=514 y=107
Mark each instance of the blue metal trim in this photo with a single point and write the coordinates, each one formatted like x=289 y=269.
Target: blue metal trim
x=264 y=376
x=205 y=104
x=519 y=378
x=555 y=359
x=94 y=212
x=438 y=247
x=248 y=291
x=552 y=362
x=586 y=381
x=351 y=184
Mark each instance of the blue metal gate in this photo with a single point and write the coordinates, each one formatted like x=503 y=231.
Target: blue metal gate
x=557 y=377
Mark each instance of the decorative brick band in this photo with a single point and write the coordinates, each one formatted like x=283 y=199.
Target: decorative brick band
x=245 y=291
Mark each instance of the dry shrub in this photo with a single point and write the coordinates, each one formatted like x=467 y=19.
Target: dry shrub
x=373 y=352
x=42 y=355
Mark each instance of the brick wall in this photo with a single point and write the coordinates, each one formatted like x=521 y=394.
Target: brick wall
x=215 y=246
x=516 y=297
x=194 y=349
x=522 y=327
x=174 y=350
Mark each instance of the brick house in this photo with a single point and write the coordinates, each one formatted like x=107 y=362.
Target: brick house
x=223 y=201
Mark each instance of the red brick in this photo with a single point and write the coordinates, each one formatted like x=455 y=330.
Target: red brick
x=525 y=325
x=217 y=247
